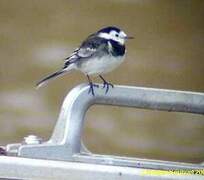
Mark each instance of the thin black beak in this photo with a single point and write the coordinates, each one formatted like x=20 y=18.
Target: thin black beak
x=129 y=37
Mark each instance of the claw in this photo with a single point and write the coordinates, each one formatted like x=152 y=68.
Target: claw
x=91 y=88
x=106 y=84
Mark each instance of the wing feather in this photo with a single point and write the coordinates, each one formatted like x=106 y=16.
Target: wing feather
x=87 y=49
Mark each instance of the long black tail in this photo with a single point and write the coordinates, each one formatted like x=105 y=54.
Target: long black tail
x=49 y=77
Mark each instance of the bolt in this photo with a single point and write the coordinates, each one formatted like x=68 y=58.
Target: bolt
x=32 y=139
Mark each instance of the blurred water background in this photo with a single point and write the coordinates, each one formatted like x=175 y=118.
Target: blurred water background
x=167 y=52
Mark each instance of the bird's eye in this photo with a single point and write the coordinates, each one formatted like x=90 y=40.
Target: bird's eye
x=116 y=35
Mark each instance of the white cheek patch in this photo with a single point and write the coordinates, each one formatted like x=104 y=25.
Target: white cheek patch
x=122 y=34
x=105 y=35
x=113 y=37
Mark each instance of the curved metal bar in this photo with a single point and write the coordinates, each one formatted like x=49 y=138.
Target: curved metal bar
x=66 y=137
x=69 y=126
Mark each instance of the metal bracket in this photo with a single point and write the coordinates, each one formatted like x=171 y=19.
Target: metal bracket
x=65 y=142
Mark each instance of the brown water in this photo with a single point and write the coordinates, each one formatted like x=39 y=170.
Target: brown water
x=167 y=52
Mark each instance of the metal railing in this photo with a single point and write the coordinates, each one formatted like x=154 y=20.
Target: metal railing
x=65 y=142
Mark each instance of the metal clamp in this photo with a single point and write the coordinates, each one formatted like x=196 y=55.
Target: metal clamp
x=65 y=143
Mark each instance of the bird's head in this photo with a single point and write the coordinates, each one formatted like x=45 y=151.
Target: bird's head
x=113 y=33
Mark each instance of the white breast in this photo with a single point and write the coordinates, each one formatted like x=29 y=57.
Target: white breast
x=105 y=64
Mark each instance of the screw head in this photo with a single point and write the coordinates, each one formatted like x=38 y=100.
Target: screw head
x=32 y=139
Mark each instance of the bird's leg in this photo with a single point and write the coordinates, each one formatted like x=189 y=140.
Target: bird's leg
x=91 y=86
x=106 y=84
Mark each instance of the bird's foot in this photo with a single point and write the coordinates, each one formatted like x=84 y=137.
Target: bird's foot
x=91 y=88
x=107 y=85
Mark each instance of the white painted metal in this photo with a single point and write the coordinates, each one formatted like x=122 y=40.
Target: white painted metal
x=23 y=168
x=63 y=156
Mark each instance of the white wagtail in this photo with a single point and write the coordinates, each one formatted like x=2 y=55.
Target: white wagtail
x=100 y=53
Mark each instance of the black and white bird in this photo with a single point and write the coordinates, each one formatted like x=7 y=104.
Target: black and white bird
x=100 y=53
